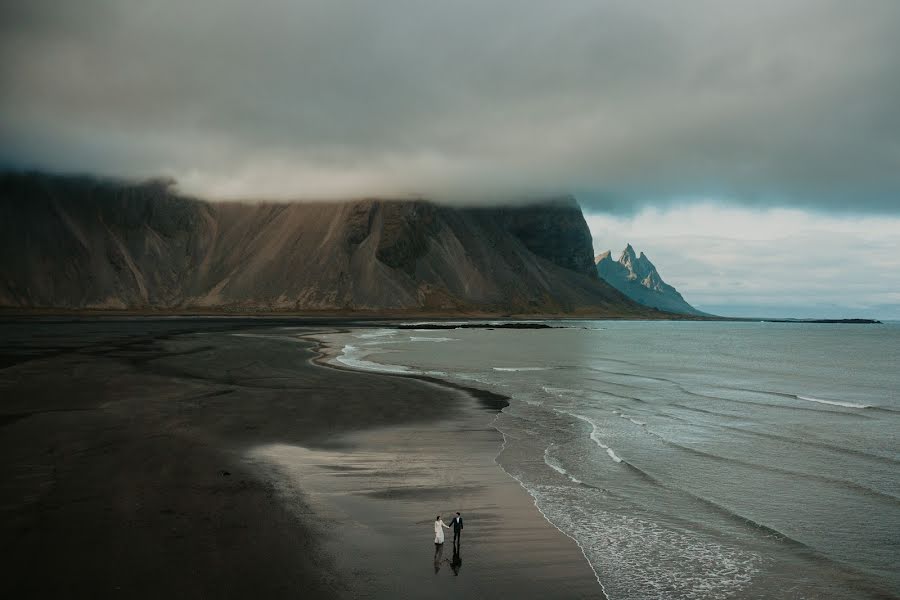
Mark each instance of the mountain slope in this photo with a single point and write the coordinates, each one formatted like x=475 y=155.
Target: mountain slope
x=637 y=277
x=78 y=242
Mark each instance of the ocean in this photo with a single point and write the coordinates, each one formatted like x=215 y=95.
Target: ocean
x=692 y=459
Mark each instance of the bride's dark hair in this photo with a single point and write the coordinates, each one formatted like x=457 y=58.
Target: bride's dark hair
x=437 y=518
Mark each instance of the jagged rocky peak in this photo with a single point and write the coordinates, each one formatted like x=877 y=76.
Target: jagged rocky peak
x=638 y=266
x=636 y=277
x=628 y=258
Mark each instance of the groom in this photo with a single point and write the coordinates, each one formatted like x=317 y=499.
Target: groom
x=457 y=525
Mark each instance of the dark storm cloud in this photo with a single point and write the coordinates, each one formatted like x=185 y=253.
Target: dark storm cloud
x=771 y=102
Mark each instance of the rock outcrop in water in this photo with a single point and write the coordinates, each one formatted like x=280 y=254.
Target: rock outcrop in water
x=637 y=277
x=80 y=242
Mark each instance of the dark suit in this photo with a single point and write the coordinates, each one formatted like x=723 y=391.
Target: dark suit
x=457 y=525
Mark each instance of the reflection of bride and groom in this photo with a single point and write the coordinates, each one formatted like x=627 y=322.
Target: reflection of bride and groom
x=457 y=526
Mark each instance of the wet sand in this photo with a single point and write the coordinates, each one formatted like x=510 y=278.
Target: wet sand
x=212 y=458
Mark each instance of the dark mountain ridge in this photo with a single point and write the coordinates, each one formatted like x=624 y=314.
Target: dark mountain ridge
x=87 y=243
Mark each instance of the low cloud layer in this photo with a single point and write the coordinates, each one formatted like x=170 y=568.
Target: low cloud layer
x=737 y=261
x=624 y=103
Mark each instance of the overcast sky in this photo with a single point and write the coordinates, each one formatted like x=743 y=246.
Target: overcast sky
x=635 y=107
x=737 y=261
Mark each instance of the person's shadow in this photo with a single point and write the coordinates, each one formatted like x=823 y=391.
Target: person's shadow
x=456 y=563
x=438 y=557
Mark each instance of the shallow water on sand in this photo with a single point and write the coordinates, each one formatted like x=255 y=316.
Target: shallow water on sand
x=693 y=460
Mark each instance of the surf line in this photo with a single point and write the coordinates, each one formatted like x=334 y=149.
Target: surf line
x=595 y=434
x=832 y=402
x=538 y=507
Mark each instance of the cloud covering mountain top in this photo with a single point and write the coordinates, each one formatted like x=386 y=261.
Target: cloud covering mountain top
x=772 y=102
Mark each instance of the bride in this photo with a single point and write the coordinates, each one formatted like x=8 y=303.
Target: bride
x=438 y=531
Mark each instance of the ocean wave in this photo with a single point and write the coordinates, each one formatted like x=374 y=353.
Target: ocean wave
x=832 y=402
x=521 y=368
x=788 y=396
x=764 y=467
x=557 y=467
x=600 y=394
x=376 y=334
x=804 y=442
x=770 y=405
x=595 y=434
x=632 y=419
x=351 y=357
x=633 y=375
x=432 y=339
x=606 y=382
x=610 y=452
x=642 y=559
x=263 y=336
x=538 y=505
x=561 y=391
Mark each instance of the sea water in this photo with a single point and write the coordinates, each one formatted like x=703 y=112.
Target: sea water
x=692 y=459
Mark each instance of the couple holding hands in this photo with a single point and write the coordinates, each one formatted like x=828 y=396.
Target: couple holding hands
x=456 y=524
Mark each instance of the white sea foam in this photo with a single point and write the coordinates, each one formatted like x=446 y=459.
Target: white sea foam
x=537 y=504
x=612 y=454
x=376 y=334
x=833 y=402
x=642 y=559
x=557 y=467
x=595 y=434
x=632 y=419
x=521 y=368
x=560 y=391
x=432 y=339
x=352 y=357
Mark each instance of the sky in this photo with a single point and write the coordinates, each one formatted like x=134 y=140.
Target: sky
x=744 y=112
x=736 y=261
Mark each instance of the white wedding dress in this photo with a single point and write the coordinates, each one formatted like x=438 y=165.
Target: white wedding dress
x=439 y=531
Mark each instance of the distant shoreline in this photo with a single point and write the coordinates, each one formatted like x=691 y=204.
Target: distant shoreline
x=340 y=316
x=822 y=321
x=367 y=315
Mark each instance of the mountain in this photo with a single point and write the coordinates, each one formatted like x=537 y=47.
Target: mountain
x=636 y=277
x=81 y=242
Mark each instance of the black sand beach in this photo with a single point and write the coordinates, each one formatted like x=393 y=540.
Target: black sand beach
x=213 y=458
